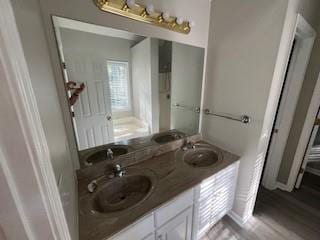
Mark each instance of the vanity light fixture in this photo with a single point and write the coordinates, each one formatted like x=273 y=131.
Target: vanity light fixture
x=146 y=14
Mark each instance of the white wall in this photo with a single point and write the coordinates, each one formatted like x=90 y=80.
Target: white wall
x=35 y=48
x=248 y=51
x=144 y=58
x=186 y=86
x=243 y=44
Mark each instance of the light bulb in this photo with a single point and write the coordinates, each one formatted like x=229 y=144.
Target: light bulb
x=131 y=3
x=192 y=23
x=165 y=16
x=150 y=9
x=179 y=20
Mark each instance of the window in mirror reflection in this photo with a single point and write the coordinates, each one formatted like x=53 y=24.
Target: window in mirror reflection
x=118 y=73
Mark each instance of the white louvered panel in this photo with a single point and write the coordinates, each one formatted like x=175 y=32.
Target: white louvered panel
x=214 y=199
x=224 y=189
x=204 y=195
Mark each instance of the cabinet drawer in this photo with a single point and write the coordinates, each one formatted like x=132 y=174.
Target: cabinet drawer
x=173 y=208
x=137 y=231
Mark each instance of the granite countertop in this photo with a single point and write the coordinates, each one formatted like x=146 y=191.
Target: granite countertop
x=172 y=177
x=132 y=145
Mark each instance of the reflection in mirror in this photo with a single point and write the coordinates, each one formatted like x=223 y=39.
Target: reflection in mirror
x=122 y=86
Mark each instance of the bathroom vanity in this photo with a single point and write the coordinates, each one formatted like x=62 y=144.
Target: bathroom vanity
x=174 y=190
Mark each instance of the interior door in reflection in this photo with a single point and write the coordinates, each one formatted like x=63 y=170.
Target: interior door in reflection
x=92 y=112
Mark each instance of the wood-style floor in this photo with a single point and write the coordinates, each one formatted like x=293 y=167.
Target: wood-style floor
x=278 y=215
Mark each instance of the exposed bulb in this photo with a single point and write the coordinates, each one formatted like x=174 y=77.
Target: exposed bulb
x=150 y=9
x=192 y=23
x=179 y=20
x=131 y=3
x=165 y=16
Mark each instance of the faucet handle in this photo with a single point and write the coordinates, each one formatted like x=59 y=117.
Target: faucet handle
x=92 y=186
x=117 y=167
x=188 y=145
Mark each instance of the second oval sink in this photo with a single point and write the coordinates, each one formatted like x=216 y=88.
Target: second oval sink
x=201 y=158
x=122 y=193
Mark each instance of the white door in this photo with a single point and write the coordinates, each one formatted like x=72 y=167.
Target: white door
x=179 y=228
x=92 y=111
x=187 y=71
x=306 y=158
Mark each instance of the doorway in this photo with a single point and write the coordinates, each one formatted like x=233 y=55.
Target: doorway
x=300 y=51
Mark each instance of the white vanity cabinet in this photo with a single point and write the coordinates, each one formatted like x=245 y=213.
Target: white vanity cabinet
x=143 y=229
x=190 y=215
x=167 y=222
x=178 y=228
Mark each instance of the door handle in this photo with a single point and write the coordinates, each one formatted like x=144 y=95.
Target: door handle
x=109 y=117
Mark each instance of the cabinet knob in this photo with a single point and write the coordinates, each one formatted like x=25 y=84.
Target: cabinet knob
x=160 y=237
x=109 y=117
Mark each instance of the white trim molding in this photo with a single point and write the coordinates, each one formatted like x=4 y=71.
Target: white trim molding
x=238 y=219
x=305 y=36
x=31 y=174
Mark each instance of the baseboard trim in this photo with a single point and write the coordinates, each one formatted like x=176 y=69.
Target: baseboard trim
x=283 y=187
x=238 y=220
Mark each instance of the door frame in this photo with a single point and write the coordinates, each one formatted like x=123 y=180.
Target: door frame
x=307 y=36
x=34 y=175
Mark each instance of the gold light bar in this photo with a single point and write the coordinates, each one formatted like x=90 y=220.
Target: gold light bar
x=138 y=12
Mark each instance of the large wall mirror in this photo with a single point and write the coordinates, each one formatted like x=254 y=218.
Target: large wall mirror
x=123 y=86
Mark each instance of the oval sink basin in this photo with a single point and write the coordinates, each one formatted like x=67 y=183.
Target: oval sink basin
x=122 y=193
x=167 y=137
x=102 y=154
x=198 y=157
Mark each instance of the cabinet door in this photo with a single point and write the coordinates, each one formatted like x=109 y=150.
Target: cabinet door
x=141 y=230
x=178 y=228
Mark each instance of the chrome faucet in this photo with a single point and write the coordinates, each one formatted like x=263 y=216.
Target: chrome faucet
x=109 y=154
x=118 y=171
x=188 y=145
